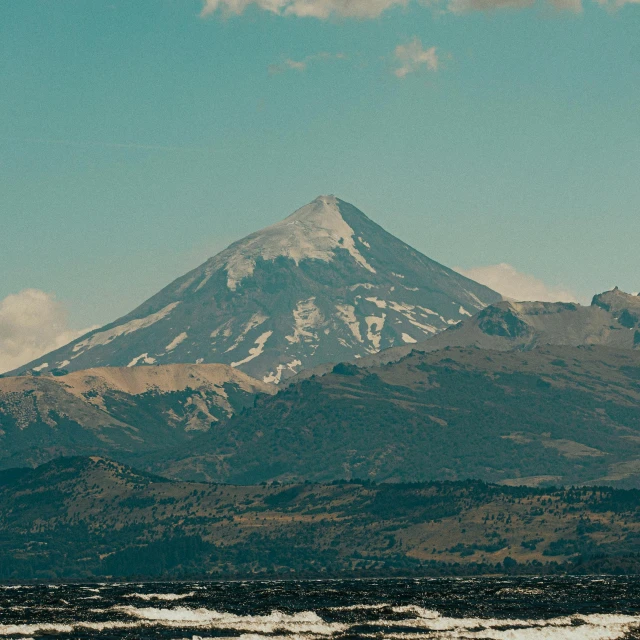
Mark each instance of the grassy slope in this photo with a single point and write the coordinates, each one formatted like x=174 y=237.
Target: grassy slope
x=89 y=517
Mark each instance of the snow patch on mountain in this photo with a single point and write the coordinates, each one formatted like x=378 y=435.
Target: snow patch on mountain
x=224 y=330
x=429 y=311
x=255 y=351
x=478 y=303
x=381 y=304
x=307 y=317
x=364 y=285
x=104 y=337
x=176 y=341
x=256 y=320
x=144 y=358
x=401 y=307
x=275 y=378
x=375 y=325
x=347 y=313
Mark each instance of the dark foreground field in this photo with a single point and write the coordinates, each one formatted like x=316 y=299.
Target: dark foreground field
x=84 y=518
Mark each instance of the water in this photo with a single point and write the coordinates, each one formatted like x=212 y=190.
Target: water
x=494 y=608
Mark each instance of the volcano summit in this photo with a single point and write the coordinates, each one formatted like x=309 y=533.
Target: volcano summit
x=326 y=284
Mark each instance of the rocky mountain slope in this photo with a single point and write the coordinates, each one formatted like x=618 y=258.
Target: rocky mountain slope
x=113 y=410
x=85 y=518
x=324 y=285
x=552 y=415
x=612 y=320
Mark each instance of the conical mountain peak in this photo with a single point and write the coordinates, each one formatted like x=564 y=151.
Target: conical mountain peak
x=313 y=232
x=325 y=284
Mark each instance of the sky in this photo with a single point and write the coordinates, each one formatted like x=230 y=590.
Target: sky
x=137 y=139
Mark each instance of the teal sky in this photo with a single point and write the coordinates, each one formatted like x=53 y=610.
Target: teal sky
x=139 y=138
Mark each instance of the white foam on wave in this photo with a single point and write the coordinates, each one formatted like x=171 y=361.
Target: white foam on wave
x=55 y=627
x=162 y=596
x=578 y=627
x=421 y=612
x=260 y=636
x=520 y=591
x=305 y=622
x=12 y=587
x=361 y=607
x=308 y=625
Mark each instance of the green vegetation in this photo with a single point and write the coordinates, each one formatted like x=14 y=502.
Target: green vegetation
x=86 y=518
x=551 y=416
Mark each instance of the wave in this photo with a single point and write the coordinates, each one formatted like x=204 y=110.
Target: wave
x=578 y=627
x=162 y=596
x=55 y=627
x=421 y=612
x=419 y=623
x=12 y=587
x=305 y=622
x=361 y=607
x=520 y=591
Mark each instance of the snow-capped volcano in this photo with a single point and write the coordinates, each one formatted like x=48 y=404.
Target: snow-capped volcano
x=323 y=285
x=314 y=232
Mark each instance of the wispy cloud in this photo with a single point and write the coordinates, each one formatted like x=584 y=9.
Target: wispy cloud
x=32 y=323
x=511 y=283
x=289 y=64
x=413 y=57
x=306 y=8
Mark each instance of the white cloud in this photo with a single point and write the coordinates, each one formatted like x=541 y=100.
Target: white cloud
x=287 y=65
x=465 y=6
x=615 y=4
x=306 y=8
x=509 y=282
x=32 y=323
x=412 y=57
x=301 y=65
x=323 y=9
x=568 y=5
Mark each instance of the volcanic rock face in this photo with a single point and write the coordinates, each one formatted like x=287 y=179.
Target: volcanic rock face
x=324 y=285
x=612 y=320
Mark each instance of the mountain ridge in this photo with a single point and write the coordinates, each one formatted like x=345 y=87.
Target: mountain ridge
x=553 y=415
x=117 y=412
x=612 y=320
